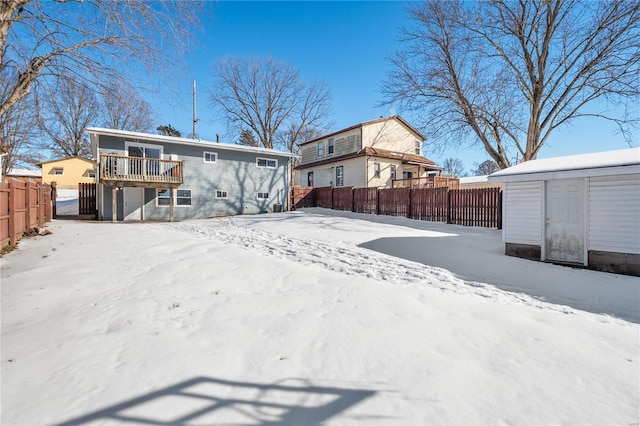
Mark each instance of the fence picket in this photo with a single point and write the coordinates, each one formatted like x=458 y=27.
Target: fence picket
x=23 y=205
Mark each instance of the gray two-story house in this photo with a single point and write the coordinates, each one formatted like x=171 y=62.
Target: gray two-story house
x=143 y=176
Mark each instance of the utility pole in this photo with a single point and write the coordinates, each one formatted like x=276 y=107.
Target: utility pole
x=195 y=117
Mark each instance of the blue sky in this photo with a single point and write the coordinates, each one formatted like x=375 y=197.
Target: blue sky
x=343 y=43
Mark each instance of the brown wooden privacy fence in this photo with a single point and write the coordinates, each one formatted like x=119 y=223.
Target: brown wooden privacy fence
x=469 y=207
x=23 y=206
x=87 y=199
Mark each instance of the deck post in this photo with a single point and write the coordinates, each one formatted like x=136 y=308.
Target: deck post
x=171 y=204
x=114 y=201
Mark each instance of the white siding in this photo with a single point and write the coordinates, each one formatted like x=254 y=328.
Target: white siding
x=390 y=135
x=384 y=181
x=325 y=175
x=523 y=213
x=614 y=214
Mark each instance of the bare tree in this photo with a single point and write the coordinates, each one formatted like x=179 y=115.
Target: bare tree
x=18 y=134
x=42 y=41
x=268 y=96
x=453 y=167
x=124 y=109
x=71 y=108
x=486 y=168
x=508 y=73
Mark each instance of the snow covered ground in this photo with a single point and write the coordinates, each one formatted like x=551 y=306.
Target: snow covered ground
x=292 y=319
x=67 y=202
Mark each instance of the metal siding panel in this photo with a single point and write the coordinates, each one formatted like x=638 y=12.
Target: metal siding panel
x=614 y=205
x=522 y=216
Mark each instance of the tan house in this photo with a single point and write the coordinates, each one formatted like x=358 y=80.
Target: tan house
x=386 y=152
x=68 y=172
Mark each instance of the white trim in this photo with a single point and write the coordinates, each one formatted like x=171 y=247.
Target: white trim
x=175 y=197
x=258 y=197
x=96 y=131
x=543 y=215
x=211 y=153
x=266 y=160
x=586 y=221
x=568 y=174
x=221 y=198
x=127 y=144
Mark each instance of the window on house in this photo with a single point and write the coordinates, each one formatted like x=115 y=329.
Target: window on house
x=222 y=194
x=162 y=198
x=331 y=146
x=393 y=171
x=418 y=148
x=263 y=195
x=266 y=163
x=310 y=179
x=182 y=197
x=210 y=157
x=58 y=171
x=340 y=176
x=320 y=149
x=407 y=175
x=376 y=170
x=91 y=174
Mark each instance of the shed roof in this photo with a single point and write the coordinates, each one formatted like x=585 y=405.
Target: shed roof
x=190 y=142
x=623 y=161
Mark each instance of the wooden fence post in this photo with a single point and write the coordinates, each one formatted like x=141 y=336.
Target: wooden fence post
x=27 y=202
x=448 y=205
x=54 y=197
x=12 y=212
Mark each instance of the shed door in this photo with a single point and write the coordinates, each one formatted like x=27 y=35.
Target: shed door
x=564 y=220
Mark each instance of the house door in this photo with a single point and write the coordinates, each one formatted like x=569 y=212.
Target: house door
x=133 y=200
x=564 y=221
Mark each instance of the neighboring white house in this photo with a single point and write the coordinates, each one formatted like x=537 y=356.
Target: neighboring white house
x=369 y=154
x=581 y=209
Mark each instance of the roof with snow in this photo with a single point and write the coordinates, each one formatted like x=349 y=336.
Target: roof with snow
x=623 y=161
x=473 y=179
x=24 y=172
x=185 y=141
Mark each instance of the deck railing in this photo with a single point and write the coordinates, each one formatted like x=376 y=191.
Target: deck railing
x=427 y=182
x=120 y=168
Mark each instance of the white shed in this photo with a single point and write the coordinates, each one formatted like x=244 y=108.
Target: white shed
x=580 y=209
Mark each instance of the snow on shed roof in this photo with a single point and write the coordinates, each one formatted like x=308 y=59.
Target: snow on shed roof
x=580 y=164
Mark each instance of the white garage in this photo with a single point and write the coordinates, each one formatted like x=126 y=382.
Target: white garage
x=577 y=210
